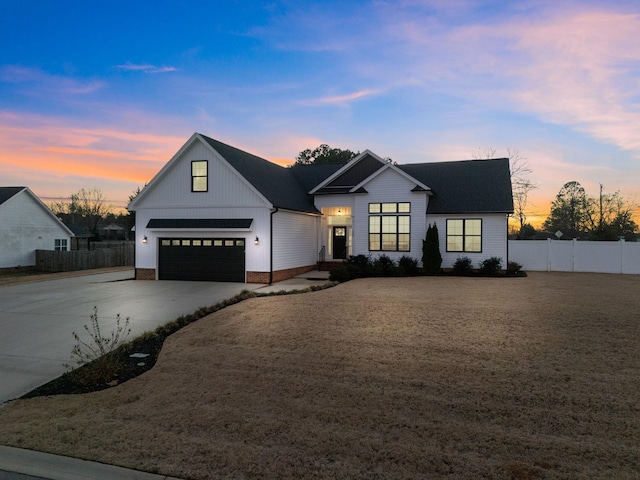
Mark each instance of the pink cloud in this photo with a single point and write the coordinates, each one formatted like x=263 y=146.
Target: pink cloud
x=54 y=157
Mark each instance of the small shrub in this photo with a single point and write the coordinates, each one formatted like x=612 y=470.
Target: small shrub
x=383 y=266
x=491 y=266
x=408 y=265
x=462 y=266
x=514 y=267
x=344 y=273
x=359 y=261
x=98 y=349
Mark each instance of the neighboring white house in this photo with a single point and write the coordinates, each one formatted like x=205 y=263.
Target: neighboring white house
x=27 y=225
x=217 y=213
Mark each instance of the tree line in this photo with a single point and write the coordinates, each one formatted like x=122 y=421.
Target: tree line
x=575 y=214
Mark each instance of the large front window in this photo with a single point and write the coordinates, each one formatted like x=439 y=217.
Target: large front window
x=388 y=231
x=464 y=235
x=199 y=176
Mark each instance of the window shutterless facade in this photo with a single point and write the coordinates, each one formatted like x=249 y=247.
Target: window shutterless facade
x=388 y=231
x=60 y=244
x=464 y=235
x=199 y=178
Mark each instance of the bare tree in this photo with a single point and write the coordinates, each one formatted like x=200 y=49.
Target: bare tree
x=85 y=207
x=520 y=183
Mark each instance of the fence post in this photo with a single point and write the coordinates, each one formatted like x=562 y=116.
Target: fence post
x=549 y=254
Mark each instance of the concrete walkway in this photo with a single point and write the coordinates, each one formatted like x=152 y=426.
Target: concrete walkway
x=27 y=464
x=37 y=316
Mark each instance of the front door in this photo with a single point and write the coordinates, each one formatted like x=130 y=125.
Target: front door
x=339 y=243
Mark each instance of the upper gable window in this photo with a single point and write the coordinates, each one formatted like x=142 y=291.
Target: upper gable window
x=199 y=181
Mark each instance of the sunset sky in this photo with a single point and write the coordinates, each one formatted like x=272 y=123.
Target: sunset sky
x=100 y=94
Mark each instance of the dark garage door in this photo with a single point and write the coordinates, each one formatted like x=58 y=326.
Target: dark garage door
x=205 y=259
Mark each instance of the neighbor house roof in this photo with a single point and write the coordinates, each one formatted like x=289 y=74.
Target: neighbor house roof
x=466 y=186
x=6 y=193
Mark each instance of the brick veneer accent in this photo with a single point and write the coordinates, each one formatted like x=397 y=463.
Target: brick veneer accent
x=145 y=273
x=252 y=277
x=278 y=276
x=257 y=277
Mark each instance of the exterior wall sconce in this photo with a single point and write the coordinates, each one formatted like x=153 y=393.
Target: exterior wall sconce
x=339 y=212
x=256 y=241
x=144 y=239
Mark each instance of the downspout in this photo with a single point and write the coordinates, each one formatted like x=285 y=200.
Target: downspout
x=508 y=260
x=275 y=210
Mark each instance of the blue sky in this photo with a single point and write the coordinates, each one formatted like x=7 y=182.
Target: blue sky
x=101 y=94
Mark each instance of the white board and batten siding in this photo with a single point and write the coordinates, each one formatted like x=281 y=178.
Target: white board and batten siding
x=226 y=187
x=26 y=225
x=494 y=238
x=295 y=240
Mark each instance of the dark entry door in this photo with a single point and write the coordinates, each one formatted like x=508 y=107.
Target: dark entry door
x=339 y=243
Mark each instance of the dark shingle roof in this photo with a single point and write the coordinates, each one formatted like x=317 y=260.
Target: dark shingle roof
x=276 y=183
x=310 y=176
x=469 y=186
x=217 y=223
x=7 y=192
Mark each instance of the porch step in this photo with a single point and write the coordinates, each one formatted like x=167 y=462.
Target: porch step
x=328 y=266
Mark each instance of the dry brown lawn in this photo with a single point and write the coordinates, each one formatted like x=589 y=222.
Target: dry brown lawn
x=523 y=378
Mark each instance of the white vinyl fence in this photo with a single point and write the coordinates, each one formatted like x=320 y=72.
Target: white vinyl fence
x=576 y=256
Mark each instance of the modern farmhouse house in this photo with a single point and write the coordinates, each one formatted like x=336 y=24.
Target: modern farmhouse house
x=27 y=225
x=217 y=213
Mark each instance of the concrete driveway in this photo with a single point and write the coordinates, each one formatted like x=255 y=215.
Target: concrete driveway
x=37 y=319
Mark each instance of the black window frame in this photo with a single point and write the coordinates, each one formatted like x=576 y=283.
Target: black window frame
x=197 y=177
x=464 y=235
x=382 y=211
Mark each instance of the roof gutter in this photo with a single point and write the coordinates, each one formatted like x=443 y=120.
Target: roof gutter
x=274 y=211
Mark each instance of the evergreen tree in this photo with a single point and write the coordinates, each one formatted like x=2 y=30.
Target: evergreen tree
x=431 y=258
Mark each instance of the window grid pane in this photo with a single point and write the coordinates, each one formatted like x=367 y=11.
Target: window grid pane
x=199 y=169
x=374 y=241
x=472 y=244
x=389 y=224
x=389 y=241
x=389 y=207
x=374 y=224
x=472 y=227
